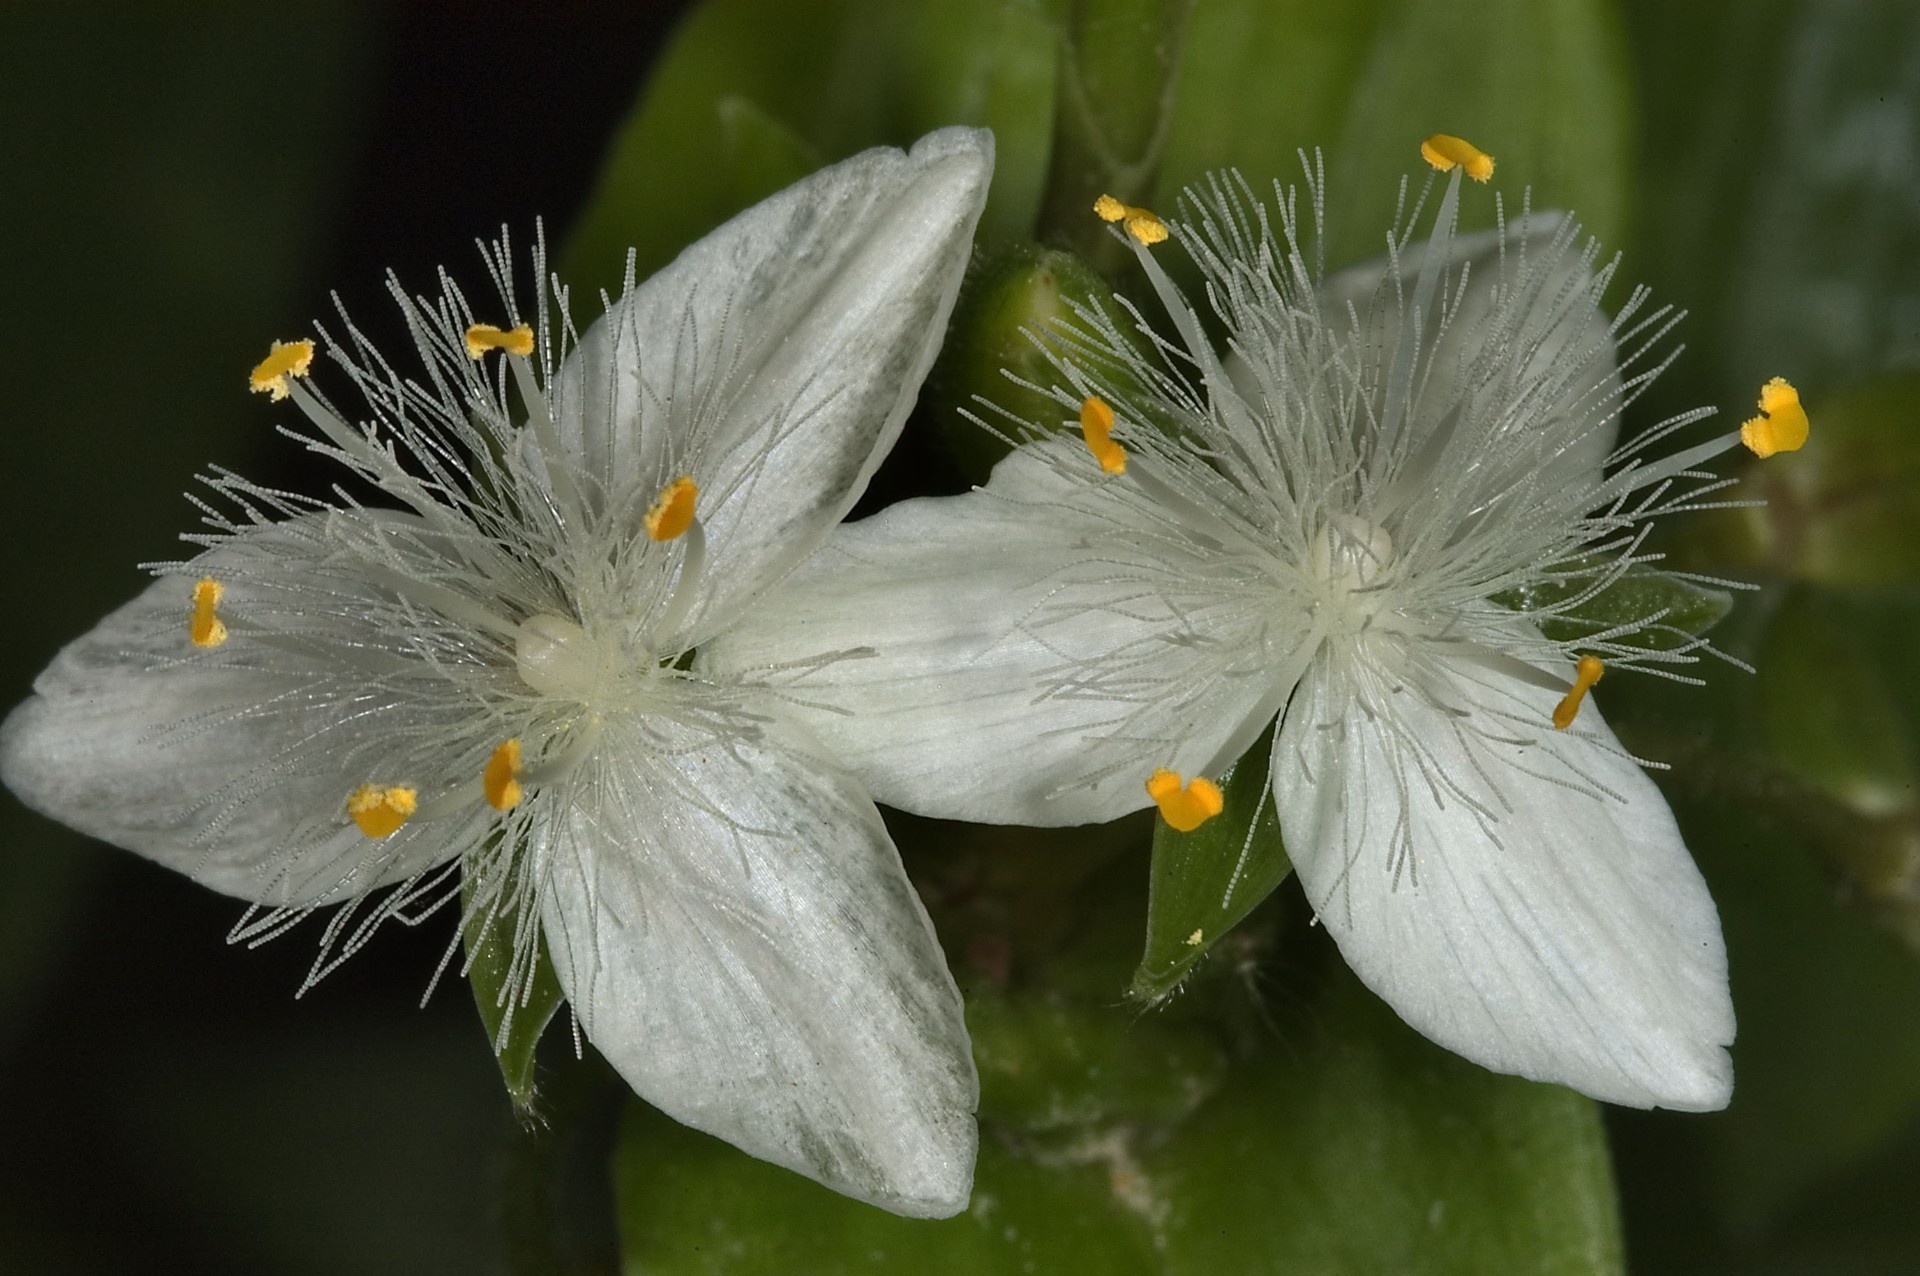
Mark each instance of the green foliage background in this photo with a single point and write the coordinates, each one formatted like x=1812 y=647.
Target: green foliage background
x=174 y=182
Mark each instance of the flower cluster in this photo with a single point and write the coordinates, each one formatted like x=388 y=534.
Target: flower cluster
x=595 y=662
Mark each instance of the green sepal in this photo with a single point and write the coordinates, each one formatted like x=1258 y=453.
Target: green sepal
x=1685 y=608
x=1206 y=881
x=514 y=1024
x=1004 y=324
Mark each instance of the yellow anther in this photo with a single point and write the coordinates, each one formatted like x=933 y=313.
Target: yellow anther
x=1585 y=674
x=501 y=779
x=206 y=628
x=672 y=511
x=286 y=359
x=380 y=809
x=482 y=337
x=1096 y=426
x=1443 y=151
x=1193 y=940
x=1783 y=425
x=1184 y=806
x=1141 y=223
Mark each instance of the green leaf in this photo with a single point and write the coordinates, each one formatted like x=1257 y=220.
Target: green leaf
x=1344 y=1142
x=1685 y=609
x=762 y=154
x=515 y=1006
x=1844 y=510
x=1205 y=881
x=820 y=80
x=1827 y=711
x=1541 y=84
x=1118 y=81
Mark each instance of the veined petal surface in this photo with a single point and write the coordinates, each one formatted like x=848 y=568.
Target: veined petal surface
x=775 y=360
x=732 y=924
x=1518 y=894
x=234 y=765
x=1028 y=653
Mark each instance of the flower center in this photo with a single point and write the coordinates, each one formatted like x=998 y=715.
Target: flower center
x=1349 y=557
x=555 y=657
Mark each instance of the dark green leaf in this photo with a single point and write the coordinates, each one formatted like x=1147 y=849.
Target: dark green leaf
x=1684 y=609
x=823 y=80
x=515 y=1006
x=1541 y=84
x=1205 y=881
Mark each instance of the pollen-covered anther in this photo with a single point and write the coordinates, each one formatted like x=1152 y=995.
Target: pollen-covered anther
x=285 y=359
x=501 y=779
x=1143 y=224
x=482 y=337
x=1096 y=427
x=672 y=511
x=1585 y=674
x=1443 y=151
x=1184 y=806
x=1782 y=425
x=380 y=809
x=206 y=628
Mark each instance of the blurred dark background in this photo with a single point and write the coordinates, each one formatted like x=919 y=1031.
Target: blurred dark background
x=179 y=185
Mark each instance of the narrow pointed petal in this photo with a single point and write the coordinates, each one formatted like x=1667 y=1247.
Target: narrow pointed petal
x=775 y=360
x=1518 y=894
x=732 y=925
x=1023 y=654
x=217 y=763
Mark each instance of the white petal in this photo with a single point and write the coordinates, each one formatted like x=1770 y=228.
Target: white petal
x=733 y=926
x=1543 y=336
x=236 y=776
x=775 y=360
x=1519 y=895
x=1016 y=655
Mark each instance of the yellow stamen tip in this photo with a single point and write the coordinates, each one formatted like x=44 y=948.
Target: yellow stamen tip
x=672 y=511
x=1185 y=807
x=286 y=359
x=1193 y=940
x=1141 y=223
x=380 y=809
x=1443 y=151
x=1782 y=425
x=206 y=628
x=1096 y=427
x=1585 y=674
x=501 y=779
x=482 y=337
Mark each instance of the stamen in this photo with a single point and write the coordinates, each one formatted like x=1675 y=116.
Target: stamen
x=501 y=779
x=1443 y=151
x=380 y=809
x=1782 y=425
x=1585 y=674
x=482 y=337
x=672 y=511
x=1184 y=806
x=285 y=359
x=1141 y=223
x=207 y=629
x=1096 y=426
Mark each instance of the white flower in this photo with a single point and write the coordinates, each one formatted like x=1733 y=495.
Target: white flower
x=1360 y=519
x=485 y=682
